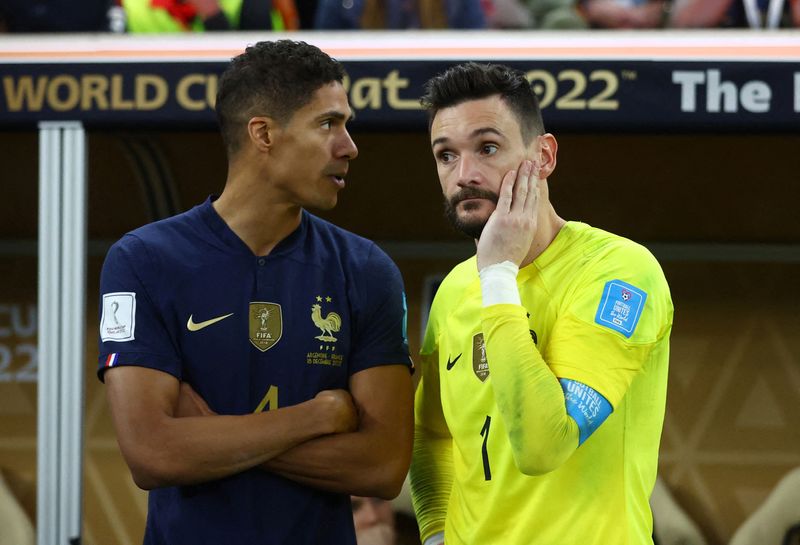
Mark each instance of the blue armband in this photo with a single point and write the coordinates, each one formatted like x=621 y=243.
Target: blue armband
x=586 y=406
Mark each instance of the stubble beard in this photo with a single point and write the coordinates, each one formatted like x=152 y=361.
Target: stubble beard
x=471 y=228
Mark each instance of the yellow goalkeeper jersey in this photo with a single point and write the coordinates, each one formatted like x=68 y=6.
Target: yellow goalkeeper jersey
x=597 y=310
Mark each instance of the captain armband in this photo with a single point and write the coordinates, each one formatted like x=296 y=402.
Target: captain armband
x=499 y=284
x=586 y=406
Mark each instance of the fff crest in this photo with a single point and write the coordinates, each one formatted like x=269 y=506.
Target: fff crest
x=266 y=324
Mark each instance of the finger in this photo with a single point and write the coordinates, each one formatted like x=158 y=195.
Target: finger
x=532 y=200
x=521 y=186
x=506 y=192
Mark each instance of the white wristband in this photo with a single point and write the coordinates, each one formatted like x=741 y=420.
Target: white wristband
x=499 y=284
x=435 y=539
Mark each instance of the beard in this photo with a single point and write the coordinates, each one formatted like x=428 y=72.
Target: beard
x=471 y=228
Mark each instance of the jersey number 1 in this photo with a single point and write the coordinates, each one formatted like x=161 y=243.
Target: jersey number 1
x=487 y=472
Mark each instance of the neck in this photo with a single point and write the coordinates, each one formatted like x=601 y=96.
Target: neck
x=254 y=213
x=549 y=225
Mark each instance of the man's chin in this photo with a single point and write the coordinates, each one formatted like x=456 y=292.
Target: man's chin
x=470 y=222
x=472 y=229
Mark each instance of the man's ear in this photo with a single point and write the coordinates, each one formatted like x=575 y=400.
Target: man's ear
x=548 y=150
x=261 y=132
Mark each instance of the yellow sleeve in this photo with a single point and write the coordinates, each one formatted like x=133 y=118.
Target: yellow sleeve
x=605 y=357
x=530 y=399
x=431 y=471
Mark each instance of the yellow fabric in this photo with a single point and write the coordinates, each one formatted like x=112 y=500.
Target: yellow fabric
x=593 y=494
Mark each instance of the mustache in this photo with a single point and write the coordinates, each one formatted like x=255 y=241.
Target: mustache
x=472 y=193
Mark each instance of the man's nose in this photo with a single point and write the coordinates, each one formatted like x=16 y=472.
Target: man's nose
x=346 y=147
x=468 y=171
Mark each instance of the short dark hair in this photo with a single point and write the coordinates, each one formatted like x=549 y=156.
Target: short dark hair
x=271 y=78
x=475 y=81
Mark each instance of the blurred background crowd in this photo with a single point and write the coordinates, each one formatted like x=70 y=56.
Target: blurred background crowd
x=149 y=16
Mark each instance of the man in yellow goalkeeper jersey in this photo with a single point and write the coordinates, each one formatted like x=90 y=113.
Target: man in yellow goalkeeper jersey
x=544 y=364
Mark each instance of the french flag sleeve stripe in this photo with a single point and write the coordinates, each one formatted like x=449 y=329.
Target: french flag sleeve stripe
x=111 y=359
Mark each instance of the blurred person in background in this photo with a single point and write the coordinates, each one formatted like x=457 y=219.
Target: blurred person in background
x=382 y=522
x=625 y=14
x=150 y=16
x=735 y=13
x=54 y=16
x=539 y=14
x=399 y=14
x=373 y=519
x=777 y=519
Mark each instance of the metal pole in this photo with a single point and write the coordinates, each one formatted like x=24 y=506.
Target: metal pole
x=62 y=290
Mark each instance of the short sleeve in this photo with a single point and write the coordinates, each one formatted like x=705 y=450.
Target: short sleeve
x=380 y=337
x=618 y=312
x=132 y=329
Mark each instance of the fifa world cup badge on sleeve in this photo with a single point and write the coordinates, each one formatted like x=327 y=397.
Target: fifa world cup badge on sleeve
x=118 y=321
x=620 y=307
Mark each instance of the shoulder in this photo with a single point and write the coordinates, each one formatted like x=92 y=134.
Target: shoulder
x=324 y=229
x=352 y=250
x=166 y=232
x=454 y=286
x=149 y=250
x=172 y=236
x=619 y=280
x=607 y=253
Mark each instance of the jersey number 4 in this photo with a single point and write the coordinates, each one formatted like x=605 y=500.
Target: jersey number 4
x=270 y=401
x=487 y=471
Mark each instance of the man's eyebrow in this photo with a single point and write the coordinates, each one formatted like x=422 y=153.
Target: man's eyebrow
x=477 y=132
x=336 y=114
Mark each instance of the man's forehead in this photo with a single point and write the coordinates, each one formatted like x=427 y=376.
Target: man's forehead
x=330 y=96
x=473 y=118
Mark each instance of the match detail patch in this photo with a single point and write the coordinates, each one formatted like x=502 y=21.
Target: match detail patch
x=586 y=406
x=620 y=307
x=118 y=321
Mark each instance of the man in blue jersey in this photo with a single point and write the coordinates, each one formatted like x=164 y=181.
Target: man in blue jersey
x=254 y=355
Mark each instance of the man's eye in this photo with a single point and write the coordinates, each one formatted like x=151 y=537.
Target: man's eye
x=326 y=124
x=489 y=149
x=445 y=157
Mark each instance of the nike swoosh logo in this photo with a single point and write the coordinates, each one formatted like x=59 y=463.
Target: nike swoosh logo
x=450 y=364
x=191 y=326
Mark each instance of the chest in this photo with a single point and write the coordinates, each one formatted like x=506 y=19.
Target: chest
x=465 y=371
x=264 y=335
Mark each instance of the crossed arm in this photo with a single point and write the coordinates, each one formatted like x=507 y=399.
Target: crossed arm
x=167 y=440
x=371 y=460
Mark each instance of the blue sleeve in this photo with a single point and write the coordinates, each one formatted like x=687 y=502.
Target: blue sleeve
x=381 y=321
x=132 y=327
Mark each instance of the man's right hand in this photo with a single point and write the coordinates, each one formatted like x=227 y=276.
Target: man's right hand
x=337 y=408
x=510 y=230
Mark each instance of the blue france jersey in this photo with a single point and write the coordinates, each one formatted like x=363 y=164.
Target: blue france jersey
x=186 y=296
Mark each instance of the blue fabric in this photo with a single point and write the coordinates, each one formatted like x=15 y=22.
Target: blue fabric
x=620 y=307
x=586 y=406
x=194 y=265
x=400 y=14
